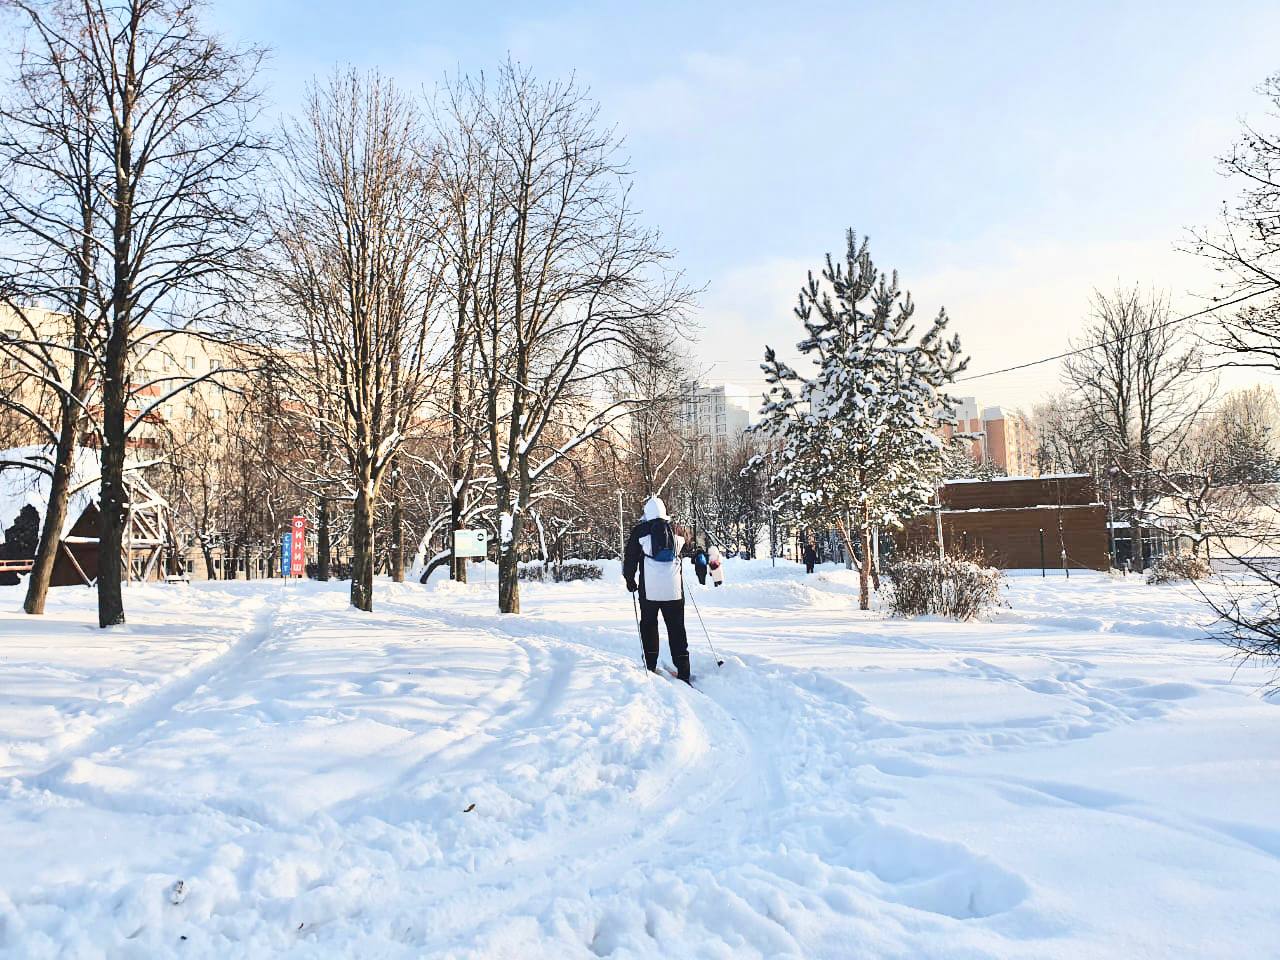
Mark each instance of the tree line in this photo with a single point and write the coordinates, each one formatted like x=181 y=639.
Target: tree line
x=427 y=310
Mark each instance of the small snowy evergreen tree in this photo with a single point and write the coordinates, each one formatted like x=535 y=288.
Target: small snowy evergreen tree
x=858 y=440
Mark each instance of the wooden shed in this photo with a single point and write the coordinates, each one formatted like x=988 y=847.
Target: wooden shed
x=144 y=540
x=1019 y=523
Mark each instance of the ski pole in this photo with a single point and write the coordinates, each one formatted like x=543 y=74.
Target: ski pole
x=636 y=610
x=719 y=662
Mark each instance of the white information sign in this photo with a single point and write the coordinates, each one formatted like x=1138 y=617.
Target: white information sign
x=470 y=543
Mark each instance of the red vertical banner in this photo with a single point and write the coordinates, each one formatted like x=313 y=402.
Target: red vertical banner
x=298 y=561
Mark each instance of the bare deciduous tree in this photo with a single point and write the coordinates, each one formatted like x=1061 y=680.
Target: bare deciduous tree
x=1139 y=385
x=1246 y=244
x=167 y=115
x=656 y=441
x=571 y=285
x=1066 y=442
x=358 y=273
x=50 y=203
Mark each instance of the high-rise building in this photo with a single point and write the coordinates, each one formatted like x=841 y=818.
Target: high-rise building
x=999 y=437
x=714 y=414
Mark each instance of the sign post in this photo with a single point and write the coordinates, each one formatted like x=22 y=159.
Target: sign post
x=286 y=553
x=471 y=543
x=298 y=544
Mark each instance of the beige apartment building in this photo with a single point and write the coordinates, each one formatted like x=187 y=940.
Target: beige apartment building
x=163 y=360
x=999 y=437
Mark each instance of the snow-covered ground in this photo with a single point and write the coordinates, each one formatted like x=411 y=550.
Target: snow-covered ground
x=1083 y=776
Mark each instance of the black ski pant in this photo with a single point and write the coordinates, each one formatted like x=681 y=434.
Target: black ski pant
x=673 y=616
x=808 y=566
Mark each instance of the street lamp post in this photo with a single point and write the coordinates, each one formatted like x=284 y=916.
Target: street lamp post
x=773 y=539
x=622 y=530
x=1112 y=472
x=1136 y=559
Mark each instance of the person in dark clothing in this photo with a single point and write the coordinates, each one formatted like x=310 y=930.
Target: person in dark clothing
x=810 y=557
x=700 y=564
x=651 y=568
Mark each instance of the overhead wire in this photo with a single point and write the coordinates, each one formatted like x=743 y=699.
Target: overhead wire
x=1115 y=340
x=1092 y=346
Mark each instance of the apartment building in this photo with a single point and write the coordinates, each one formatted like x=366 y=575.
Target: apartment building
x=714 y=415
x=999 y=437
x=162 y=361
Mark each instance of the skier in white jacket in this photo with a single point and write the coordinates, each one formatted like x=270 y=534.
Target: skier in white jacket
x=651 y=567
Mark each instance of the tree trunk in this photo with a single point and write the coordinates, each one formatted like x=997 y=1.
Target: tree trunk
x=508 y=563
x=210 y=571
x=362 y=542
x=1136 y=560
x=459 y=473
x=54 y=520
x=843 y=529
x=875 y=559
x=864 y=569
x=112 y=501
x=68 y=440
x=323 y=559
x=397 y=530
x=174 y=563
x=508 y=581
x=457 y=565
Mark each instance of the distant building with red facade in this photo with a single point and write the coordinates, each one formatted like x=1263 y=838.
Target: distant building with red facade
x=1000 y=437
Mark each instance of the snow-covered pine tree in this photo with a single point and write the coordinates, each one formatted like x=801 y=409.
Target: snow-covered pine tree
x=957 y=459
x=858 y=440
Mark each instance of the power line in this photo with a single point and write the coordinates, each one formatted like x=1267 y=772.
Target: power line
x=1107 y=343
x=1085 y=349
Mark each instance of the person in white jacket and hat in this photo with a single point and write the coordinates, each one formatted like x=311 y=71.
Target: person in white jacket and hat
x=651 y=567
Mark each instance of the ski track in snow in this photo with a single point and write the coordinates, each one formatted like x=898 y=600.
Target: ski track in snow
x=845 y=786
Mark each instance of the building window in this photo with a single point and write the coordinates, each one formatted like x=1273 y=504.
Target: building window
x=191 y=364
x=215 y=413
x=167 y=410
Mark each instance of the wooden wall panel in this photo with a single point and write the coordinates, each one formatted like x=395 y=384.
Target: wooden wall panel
x=1010 y=538
x=1041 y=491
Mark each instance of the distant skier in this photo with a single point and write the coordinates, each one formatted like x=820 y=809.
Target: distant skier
x=810 y=556
x=699 y=558
x=651 y=566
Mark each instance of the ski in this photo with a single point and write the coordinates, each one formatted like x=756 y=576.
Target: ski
x=675 y=676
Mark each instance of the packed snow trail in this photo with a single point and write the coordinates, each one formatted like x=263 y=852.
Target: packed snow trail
x=78 y=697
x=1078 y=778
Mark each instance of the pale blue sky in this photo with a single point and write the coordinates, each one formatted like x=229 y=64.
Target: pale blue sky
x=1005 y=157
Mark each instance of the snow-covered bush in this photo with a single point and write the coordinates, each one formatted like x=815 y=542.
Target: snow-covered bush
x=560 y=572
x=959 y=587
x=1178 y=566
